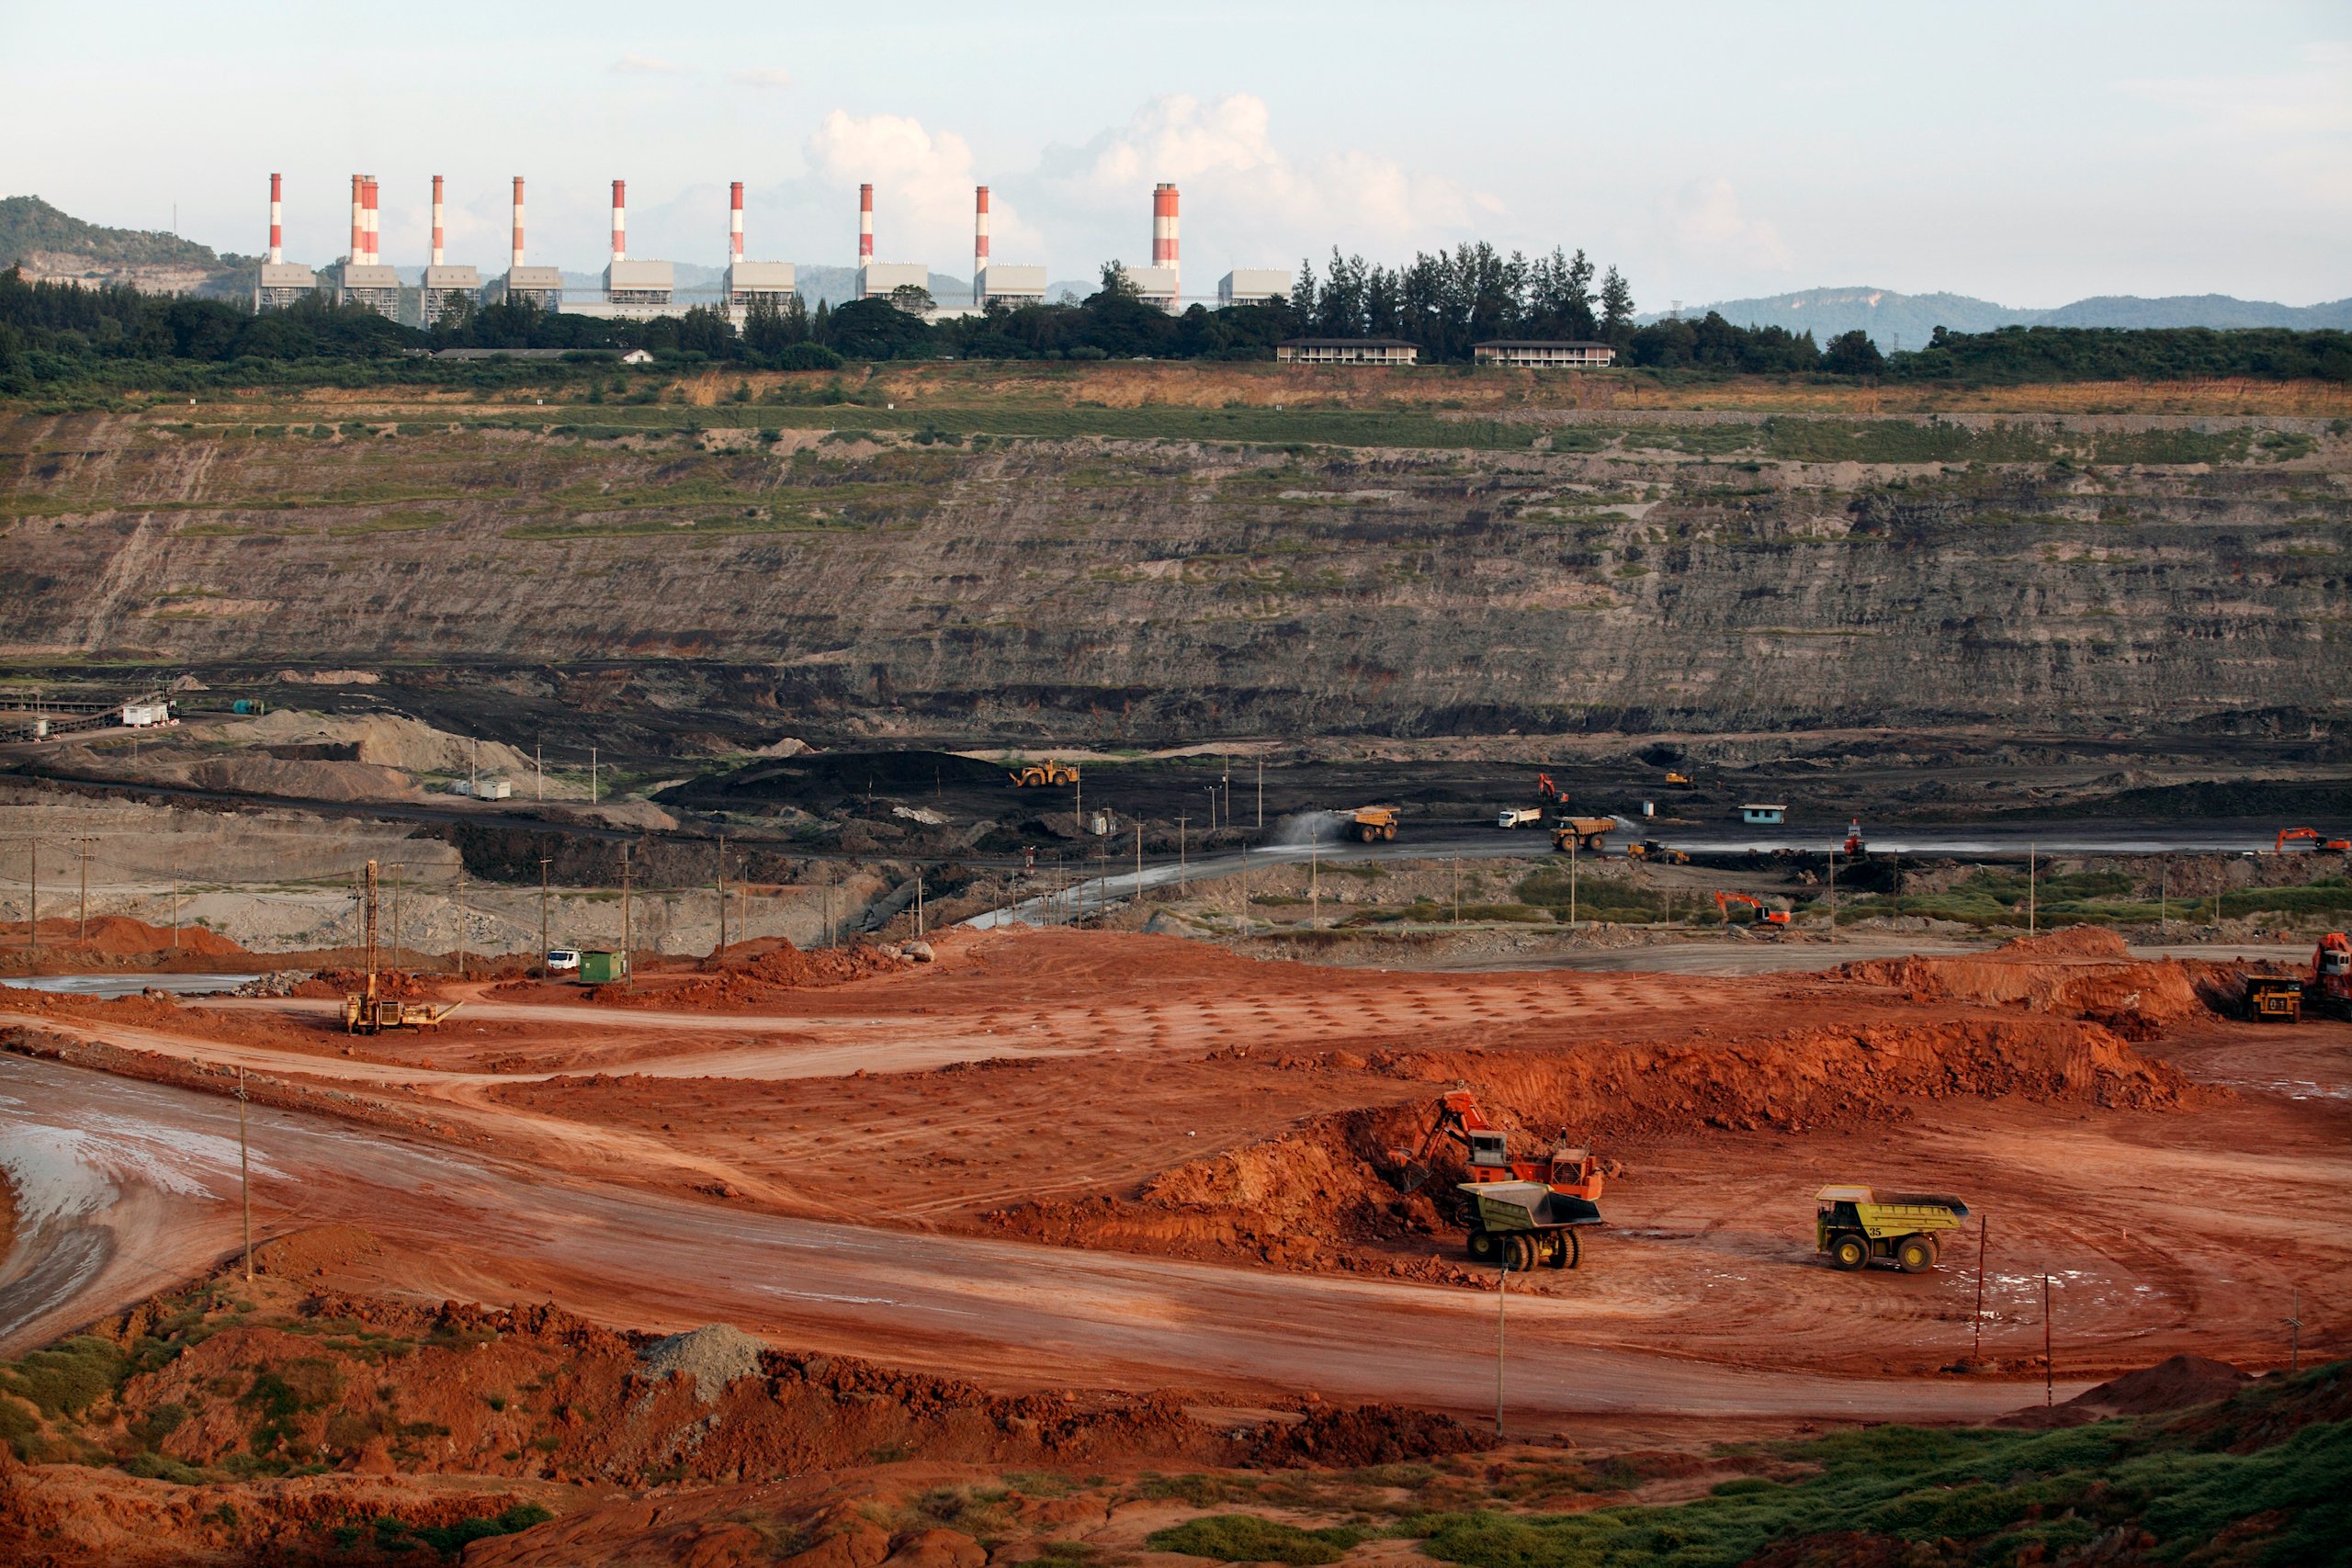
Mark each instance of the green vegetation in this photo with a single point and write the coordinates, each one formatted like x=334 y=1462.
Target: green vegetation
x=1248 y=1538
x=393 y=1534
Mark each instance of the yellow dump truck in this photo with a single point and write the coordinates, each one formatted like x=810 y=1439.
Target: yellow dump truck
x=1031 y=775
x=1589 y=834
x=1373 y=824
x=1855 y=1225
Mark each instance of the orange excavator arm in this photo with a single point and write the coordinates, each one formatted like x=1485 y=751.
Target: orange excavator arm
x=2290 y=835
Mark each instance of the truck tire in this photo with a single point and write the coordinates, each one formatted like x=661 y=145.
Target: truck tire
x=1915 y=1254
x=1563 y=1253
x=1849 y=1251
x=1521 y=1250
x=1481 y=1247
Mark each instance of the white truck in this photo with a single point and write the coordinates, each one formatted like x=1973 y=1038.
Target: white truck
x=1519 y=817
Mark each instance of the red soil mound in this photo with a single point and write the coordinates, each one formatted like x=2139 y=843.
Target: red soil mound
x=120 y=936
x=2084 y=972
x=2174 y=1384
x=1316 y=1195
x=739 y=984
x=335 y=983
x=1351 y=1438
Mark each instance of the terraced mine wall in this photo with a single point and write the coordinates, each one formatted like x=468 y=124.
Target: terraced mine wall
x=1409 y=576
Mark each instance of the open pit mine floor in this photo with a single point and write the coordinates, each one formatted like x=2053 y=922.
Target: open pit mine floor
x=1122 y=1161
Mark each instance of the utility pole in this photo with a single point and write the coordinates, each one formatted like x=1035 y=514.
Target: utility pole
x=2164 y=895
x=246 y=1175
x=1077 y=796
x=175 y=898
x=83 y=937
x=1212 y=789
x=32 y=910
x=722 y=895
x=1261 y=792
x=1245 y=890
x=1139 y=863
x=829 y=904
x=1457 y=890
x=1181 y=820
x=539 y=773
x=1898 y=886
x=591 y=776
x=544 y=948
x=1314 y=884
x=1502 y=1297
x=2032 y=921
x=396 y=869
x=918 y=900
x=1833 y=895
x=2049 y=1368
x=628 y=966
x=1984 y=1225
x=1574 y=844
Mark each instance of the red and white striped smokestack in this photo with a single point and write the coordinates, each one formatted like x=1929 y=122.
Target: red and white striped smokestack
x=358 y=252
x=620 y=219
x=865 y=224
x=276 y=218
x=980 y=231
x=371 y=217
x=437 y=220
x=1163 y=226
x=735 y=220
x=516 y=260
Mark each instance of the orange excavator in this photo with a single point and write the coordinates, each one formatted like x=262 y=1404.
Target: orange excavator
x=1546 y=791
x=2310 y=836
x=1765 y=914
x=1521 y=1212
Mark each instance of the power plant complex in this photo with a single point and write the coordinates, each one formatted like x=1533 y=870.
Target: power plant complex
x=639 y=288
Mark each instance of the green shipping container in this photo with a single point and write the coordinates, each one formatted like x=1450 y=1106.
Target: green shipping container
x=599 y=968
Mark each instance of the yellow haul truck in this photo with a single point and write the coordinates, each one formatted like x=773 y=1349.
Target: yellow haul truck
x=1854 y=1225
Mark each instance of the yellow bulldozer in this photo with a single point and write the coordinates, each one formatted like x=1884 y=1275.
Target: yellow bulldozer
x=1033 y=775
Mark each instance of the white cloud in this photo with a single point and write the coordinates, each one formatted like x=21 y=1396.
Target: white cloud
x=761 y=76
x=1254 y=196
x=1704 y=223
x=923 y=189
x=646 y=65
x=2313 y=100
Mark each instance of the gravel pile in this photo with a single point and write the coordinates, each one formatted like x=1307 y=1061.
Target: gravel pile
x=277 y=983
x=714 y=1356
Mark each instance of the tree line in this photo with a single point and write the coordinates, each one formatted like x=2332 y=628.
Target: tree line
x=58 y=335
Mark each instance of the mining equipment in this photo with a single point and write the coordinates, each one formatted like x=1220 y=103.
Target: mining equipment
x=1519 y=1212
x=1677 y=781
x=1853 y=1226
x=1549 y=793
x=1655 y=853
x=2273 y=998
x=1373 y=824
x=1519 y=817
x=2313 y=837
x=1031 y=775
x=366 y=1012
x=1854 y=846
x=1589 y=833
x=2330 y=987
x=1765 y=915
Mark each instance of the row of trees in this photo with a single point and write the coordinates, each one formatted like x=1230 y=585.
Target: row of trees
x=61 y=335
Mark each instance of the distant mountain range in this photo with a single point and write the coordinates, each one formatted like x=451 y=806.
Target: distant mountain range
x=1905 y=320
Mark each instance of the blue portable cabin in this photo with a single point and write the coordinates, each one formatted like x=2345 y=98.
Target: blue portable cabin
x=1758 y=814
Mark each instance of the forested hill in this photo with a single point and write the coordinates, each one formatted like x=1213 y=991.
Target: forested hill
x=1894 y=320
x=29 y=226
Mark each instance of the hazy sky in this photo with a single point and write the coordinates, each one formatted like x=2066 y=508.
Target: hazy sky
x=2027 y=153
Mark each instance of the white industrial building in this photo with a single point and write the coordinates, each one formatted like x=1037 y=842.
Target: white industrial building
x=281 y=282
x=1009 y=286
x=879 y=280
x=1538 y=354
x=539 y=287
x=1253 y=286
x=1347 y=351
x=1153 y=285
x=446 y=288
x=749 y=280
x=363 y=279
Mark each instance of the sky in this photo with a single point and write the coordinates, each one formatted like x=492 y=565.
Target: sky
x=2027 y=154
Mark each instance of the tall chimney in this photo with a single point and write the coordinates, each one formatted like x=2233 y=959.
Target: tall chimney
x=865 y=224
x=358 y=252
x=620 y=219
x=735 y=221
x=437 y=220
x=516 y=260
x=276 y=218
x=1163 y=227
x=980 y=234
x=370 y=217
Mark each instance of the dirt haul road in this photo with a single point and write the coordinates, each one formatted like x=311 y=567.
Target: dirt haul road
x=151 y=1169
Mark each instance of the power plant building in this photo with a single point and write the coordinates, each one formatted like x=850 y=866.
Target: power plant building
x=1253 y=286
x=634 y=290
x=879 y=280
x=749 y=280
x=364 y=279
x=281 y=282
x=539 y=287
x=447 y=290
x=993 y=285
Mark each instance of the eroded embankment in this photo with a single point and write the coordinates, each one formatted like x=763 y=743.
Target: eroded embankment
x=2084 y=972
x=1325 y=1193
